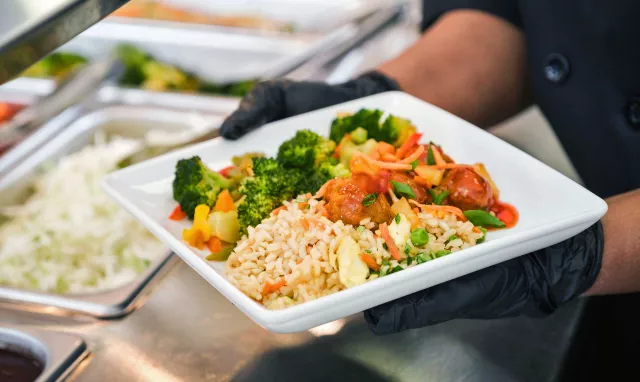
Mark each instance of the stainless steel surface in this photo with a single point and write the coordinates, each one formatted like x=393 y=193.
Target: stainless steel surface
x=317 y=17
x=75 y=88
x=59 y=353
x=131 y=121
x=31 y=29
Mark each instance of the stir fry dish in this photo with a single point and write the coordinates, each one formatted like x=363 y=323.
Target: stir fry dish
x=155 y=10
x=141 y=71
x=325 y=214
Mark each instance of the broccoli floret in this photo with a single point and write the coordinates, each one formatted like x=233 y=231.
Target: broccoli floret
x=266 y=190
x=394 y=130
x=365 y=118
x=329 y=170
x=397 y=130
x=305 y=150
x=196 y=184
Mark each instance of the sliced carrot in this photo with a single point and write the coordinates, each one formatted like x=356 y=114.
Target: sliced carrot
x=214 y=244
x=225 y=171
x=362 y=164
x=177 y=214
x=393 y=249
x=370 y=261
x=414 y=156
x=269 y=288
x=450 y=209
x=437 y=156
x=224 y=202
x=408 y=145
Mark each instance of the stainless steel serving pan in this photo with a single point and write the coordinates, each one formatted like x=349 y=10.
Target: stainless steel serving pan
x=59 y=353
x=124 y=120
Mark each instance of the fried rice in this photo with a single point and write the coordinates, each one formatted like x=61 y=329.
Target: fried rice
x=291 y=256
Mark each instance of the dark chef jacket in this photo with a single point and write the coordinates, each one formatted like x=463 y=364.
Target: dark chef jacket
x=584 y=65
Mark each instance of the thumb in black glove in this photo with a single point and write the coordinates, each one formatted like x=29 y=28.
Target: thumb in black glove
x=277 y=99
x=534 y=285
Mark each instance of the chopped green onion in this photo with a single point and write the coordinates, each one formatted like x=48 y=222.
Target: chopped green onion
x=414 y=164
x=441 y=253
x=385 y=261
x=369 y=199
x=396 y=269
x=367 y=251
x=419 y=237
x=397 y=219
x=384 y=270
x=451 y=238
x=360 y=228
x=409 y=260
x=385 y=246
x=407 y=249
x=423 y=258
x=438 y=198
x=483 y=219
x=482 y=239
x=403 y=190
x=431 y=160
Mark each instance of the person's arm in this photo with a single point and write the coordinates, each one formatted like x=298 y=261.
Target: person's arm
x=620 y=271
x=470 y=63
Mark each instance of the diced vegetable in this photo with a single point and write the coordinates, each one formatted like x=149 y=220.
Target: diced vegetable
x=484 y=237
x=430 y=174
x=369 y=199
x=399 y=230
x=441 y=253
x=402 y=207
x=438 y=198
x=200 y=232
x=359 y=135
x=352 y=270
x=225 y=225
x=214 y=244
x=370 y=261
x=419 y=237
x=403 y=190
x=483 y=219
x=177 y=214
x=222 y=254
x=224 y=202
x=391 y=245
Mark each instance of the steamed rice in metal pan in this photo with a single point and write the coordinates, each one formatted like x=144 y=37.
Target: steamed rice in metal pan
x=330 y=214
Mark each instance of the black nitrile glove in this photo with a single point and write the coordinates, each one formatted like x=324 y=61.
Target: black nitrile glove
x=533 y=285
x=277 y=99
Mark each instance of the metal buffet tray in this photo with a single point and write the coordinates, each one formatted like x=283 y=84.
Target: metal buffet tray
x=308 y=17
x=125 y=120
x=59 y=353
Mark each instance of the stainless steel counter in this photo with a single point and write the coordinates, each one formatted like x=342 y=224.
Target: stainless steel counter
x=186 y=331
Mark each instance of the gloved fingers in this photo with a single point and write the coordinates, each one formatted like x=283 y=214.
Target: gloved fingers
x=263 y=104
x=497 y=291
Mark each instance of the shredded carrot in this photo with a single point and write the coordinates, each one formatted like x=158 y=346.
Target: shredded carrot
x=416 y=154
x=450 y=209
x=387 y=165
x=361 y=164
x=305 y=224
x=322 y=190
x=177 y=214
x=302 y=205
x=214 y=244
x=449 y=166
x=408 y=144
x=476 y=229
x=224 y=202
x=437 y=156
x=268 y=288
x=389 y=158
x=371 y=263
x=422 y=181
x=393 y=249
x=278 y=210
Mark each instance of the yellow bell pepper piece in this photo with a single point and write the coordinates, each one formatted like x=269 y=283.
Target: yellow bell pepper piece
x=200 y=232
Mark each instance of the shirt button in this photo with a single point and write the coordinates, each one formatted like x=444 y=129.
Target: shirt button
x=556 y=68
x=633 y=113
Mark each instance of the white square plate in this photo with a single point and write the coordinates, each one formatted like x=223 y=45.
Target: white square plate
x=551 y=206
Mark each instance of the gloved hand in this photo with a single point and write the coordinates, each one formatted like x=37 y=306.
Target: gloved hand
x=277 y=99
x=534 y=285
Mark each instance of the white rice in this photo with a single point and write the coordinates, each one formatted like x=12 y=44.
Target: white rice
x=70 y=237
x=283 y=248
